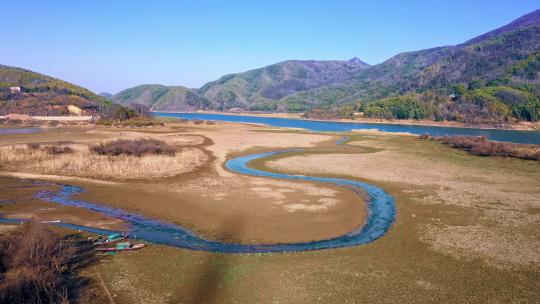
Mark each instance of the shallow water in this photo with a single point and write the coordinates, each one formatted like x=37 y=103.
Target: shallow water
x=5 y=131
x=381 y=214
x=528 y=137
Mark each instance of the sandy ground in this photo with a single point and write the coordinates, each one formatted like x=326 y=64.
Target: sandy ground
x=46 y=118
x=239 y=137
x=502 y=198
x=63 y=118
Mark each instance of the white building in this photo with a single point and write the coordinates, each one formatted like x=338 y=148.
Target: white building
x=15 y=90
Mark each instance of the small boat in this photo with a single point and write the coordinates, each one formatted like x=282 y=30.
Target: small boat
x=51 y=222
x=111 y=239
x=121 y=247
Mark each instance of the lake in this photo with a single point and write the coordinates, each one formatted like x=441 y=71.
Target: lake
x=526 y=137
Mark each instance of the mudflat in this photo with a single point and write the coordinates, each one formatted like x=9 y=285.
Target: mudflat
x=465 y=231
x=191 y=188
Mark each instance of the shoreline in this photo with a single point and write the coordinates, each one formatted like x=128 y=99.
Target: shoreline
x=523 y=126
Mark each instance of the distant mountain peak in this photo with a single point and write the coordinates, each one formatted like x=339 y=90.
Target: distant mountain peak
x=357 y=61
x=106 y=95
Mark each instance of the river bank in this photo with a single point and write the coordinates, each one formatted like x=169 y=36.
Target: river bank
x=516 y=136
x=523 y=126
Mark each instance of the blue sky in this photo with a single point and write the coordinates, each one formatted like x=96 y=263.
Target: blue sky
x=113 y=45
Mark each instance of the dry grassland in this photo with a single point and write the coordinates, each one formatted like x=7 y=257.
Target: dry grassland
x=82 y=162
x=502 y=192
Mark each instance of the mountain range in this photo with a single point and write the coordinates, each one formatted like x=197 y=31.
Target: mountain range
x=246 y=89
x=297 y=85
x=496 y=74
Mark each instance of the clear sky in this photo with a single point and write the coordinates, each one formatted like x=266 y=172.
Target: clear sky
x=112 y=45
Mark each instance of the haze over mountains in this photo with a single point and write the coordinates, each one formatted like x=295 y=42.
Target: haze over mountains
x=505 y=60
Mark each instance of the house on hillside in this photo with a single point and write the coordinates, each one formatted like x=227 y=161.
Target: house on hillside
x=15 y=90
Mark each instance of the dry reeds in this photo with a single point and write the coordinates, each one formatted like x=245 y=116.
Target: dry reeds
x=55 y=148
x=34 y=146
x=481 y=146
x=83 y=162
x=58 y=149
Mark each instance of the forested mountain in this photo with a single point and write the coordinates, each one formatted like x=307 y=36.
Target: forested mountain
x=527 y=20
x=491 y=78
x=260 y=87
x=486 y=59
x=43 y=95
x=162 y=98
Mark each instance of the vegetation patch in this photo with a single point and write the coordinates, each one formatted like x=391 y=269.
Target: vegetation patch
x=481 y=146
x=136 y=147
x=55 y=148
x=36 y=265
x=117 y=159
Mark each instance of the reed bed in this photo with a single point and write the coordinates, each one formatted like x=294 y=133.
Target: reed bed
x=481 y=146
x=80 y=160
x=137 y=147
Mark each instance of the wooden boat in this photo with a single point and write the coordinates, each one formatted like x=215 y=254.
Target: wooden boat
x=114 y=249
x=111 y=240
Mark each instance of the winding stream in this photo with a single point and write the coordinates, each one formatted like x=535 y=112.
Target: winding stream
x=380 y=216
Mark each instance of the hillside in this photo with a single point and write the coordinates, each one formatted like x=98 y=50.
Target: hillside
x=162 y=98
x=43 y=95
x=506 y=58
x=258 y=88
x=527 y=20
x=487 y=57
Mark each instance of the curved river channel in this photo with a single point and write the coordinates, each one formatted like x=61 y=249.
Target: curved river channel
x=380 y=216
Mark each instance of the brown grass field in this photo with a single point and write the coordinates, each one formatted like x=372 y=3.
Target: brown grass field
x=466 y=229
x=82 y=161
x=483 y=147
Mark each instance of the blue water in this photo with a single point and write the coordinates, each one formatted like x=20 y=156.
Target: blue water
x=5 y=131
x=528 y=137
x=381 y=215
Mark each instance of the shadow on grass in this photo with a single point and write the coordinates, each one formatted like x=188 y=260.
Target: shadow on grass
x=213 y=275
x=84 y=257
